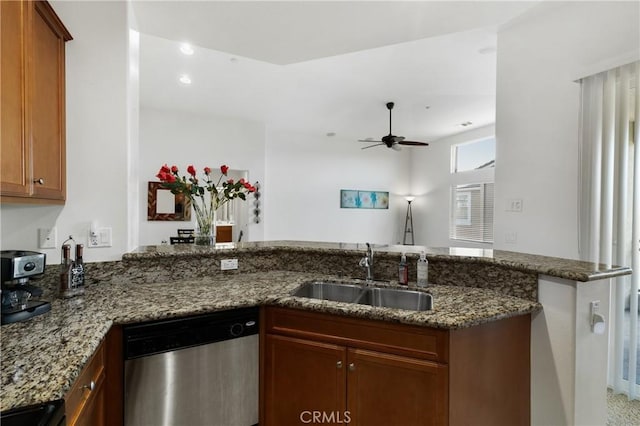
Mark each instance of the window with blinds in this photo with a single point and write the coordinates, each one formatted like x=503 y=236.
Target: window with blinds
x=472 y=212
x=472 y=176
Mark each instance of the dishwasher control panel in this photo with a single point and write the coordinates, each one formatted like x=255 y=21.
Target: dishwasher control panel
x=166 y=335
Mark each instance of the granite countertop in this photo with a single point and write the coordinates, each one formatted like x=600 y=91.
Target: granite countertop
x=42 y=357
x=574 y=270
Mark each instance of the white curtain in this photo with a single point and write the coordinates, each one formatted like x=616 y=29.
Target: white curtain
x=610 y=206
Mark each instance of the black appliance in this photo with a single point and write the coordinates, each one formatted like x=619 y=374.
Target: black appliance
x=47 y=414
x=17 y=302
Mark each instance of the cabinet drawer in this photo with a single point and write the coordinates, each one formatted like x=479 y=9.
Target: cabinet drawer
x=419 y=342
x=82 y=393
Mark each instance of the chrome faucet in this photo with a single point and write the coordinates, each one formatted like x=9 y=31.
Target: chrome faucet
x=367 y=262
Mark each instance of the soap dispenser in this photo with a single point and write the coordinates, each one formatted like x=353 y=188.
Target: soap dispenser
x=403 y=270
x=423 y=270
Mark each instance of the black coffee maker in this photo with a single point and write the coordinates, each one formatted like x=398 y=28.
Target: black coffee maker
x=18 y=267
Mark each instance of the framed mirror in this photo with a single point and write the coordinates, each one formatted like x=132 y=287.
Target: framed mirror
x=163 y=205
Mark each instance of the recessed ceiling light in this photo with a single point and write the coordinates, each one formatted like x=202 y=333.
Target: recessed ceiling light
x=186 y=49
x=427 y=107
x=330 y=134
x=466 y=123
x=185 y=79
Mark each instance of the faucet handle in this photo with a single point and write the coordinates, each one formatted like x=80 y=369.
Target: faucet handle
x=364 y=262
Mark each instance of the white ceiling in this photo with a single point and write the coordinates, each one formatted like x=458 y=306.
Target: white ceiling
x=327 y=66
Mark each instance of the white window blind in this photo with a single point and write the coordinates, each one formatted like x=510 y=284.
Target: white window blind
x=472 y=212
x=610 y=207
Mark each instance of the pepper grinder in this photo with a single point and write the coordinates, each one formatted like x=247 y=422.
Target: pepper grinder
x=71 y=272
x=66 y=265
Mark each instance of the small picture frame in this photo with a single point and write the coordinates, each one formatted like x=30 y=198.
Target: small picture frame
x=162 y=205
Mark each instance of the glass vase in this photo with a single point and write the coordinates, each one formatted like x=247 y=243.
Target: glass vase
x=206 y=230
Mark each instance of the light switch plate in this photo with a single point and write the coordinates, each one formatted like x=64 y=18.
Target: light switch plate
x=514 y=205
x=228 y=264
x=47 y=238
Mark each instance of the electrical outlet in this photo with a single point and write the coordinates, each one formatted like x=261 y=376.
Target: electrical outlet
x=227 y=264
x=47 y=238
x=100 y=237
x=511 y=237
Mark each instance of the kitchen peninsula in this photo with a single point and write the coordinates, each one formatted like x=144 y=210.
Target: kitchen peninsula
x=42 y=358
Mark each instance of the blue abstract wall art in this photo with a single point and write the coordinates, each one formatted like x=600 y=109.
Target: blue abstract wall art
x=356 y=199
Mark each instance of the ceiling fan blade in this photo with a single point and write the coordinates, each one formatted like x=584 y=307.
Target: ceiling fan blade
x=371 y=146
x=413 y=143
x=368 y=140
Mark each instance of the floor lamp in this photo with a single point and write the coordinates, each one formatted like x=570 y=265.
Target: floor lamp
x=408 y=222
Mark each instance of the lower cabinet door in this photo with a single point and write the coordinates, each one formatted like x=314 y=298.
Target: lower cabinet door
x=304 y=382
x=94 y=412
x=388 y=389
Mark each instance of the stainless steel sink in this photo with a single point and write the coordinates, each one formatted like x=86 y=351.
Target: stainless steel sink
x=396 y=298
x=373 y=296
x=329 y=291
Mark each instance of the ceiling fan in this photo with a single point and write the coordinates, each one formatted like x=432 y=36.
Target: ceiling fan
x=390 y=140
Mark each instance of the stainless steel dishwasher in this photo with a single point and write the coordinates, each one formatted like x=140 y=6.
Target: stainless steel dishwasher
x=200 y=370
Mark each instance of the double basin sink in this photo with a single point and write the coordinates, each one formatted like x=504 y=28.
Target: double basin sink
x=373 y=296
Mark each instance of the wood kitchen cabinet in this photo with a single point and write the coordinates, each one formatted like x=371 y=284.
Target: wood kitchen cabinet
x=308 y=375
x=379 y=373
x=32 y=103
x=96 y=397
x=412 y=391
x=85 y=401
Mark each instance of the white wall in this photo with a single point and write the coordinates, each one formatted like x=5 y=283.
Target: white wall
x=133 y=133
x=568 y=360
x=181 y=139
x=539 y=57
x=305 y=174
x=431 y=180
x=96 y=70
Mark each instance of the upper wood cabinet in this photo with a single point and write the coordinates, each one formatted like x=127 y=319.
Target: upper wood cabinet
x=32 y=103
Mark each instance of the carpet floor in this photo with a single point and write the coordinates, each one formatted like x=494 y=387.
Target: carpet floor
x=621 y=411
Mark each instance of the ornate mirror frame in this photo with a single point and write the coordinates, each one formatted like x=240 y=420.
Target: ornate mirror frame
x=182 y=205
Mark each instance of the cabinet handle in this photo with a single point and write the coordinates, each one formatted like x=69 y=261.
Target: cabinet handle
x=339 y=364
x=352 y=367
x=91 y=386
x=39 y=181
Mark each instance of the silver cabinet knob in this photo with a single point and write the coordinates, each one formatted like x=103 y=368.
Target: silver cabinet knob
x=352 y=367
x=339 y=364
x=39 y=181
x=91 y=386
